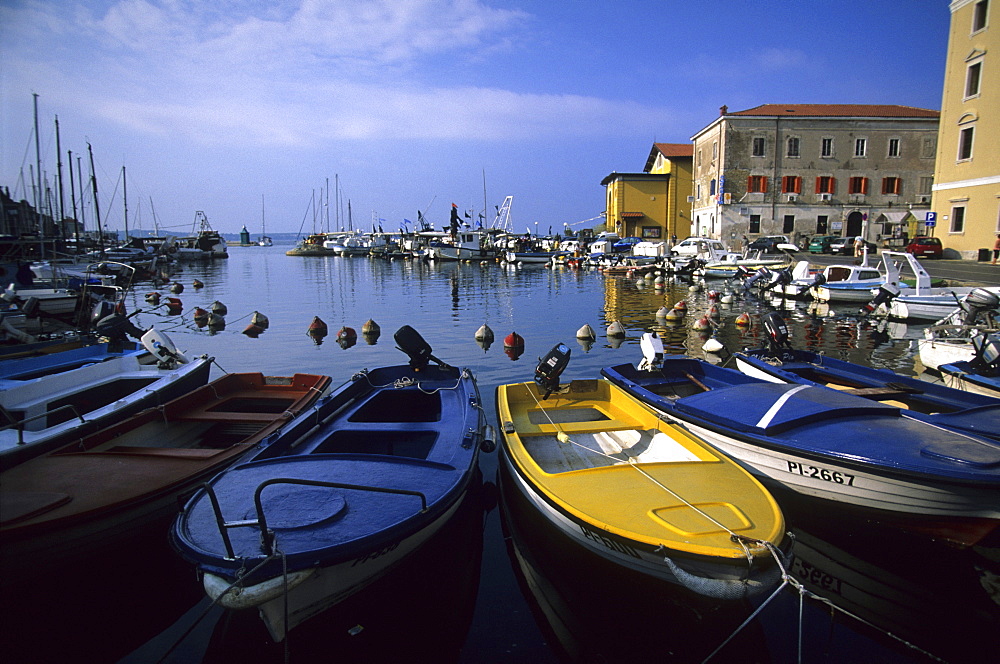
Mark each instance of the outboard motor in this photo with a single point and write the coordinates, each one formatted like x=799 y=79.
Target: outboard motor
x=777 y=333
x=410 y=342
x=987 y=351
x=781 y=277
x=818 y=280
x=978 y=304
x=885 y=293
x=117 y=328
x=761 y=273
x=550 y=368
x=652 y=352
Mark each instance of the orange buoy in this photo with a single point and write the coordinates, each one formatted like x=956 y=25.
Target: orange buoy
x=197 y=284
x=153 y=298
x=174 y=306
x=253 y=331
x=346 y=333
x=513 y=340
x=743 y=319
x=317 y=330
x=513 y=352
x=200 y=317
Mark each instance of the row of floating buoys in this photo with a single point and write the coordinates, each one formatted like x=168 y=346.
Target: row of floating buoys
x=346 y=336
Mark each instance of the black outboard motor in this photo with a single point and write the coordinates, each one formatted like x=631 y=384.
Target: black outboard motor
x=781 y=277
x=117 y=328
x=761 y=273
x=977 y=306
x=777 y=334
x=550 y=368
x=410 y=342
x=987 y=351
x=818 y=280
x=885 y=293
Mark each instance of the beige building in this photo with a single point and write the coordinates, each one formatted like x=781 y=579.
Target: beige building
x=814 y=169
x=653 y=204
x=966 y=188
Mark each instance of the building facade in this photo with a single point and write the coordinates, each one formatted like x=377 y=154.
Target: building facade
x=653 y=204
x=814 y=169
x=966 y=196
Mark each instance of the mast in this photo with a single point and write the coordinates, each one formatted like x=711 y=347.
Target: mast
x=79 y=179
x=97 y=207
x=38 y=169
x=72 y=196
x=59 y=179
x=156 y=224
x=125 y=199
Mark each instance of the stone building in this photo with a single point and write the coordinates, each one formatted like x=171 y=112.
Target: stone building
x=806 y=169
x=966 y=196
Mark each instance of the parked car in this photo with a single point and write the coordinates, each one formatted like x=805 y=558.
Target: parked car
x=769 y=244
x=925 y=247
x=820 y=244
x=692 y=245
x=626 y=244
x=845 y=246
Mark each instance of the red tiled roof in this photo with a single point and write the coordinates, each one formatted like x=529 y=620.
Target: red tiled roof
x=675 y=149
x=840 y=110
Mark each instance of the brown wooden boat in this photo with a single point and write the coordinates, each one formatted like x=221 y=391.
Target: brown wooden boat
x=103 y=489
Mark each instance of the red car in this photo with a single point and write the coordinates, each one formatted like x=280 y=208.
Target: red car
x=925 y=247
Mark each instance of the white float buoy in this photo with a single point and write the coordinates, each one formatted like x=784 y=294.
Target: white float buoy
x=616 y=329
x=484 y=333
x=713 y=345
x=586 y=332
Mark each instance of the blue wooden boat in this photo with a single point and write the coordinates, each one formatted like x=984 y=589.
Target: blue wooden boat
x=939 y=404
x=50 y=400
x=342 y=494
x=828 y=444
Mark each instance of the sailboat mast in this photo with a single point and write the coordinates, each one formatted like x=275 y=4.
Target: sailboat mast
x=125 y=198
x=59 y=179
x=72 y=197
x=38 y=169
x=79 y=179
x=97 y=207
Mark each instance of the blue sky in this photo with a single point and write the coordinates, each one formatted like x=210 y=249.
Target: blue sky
x=212 y=106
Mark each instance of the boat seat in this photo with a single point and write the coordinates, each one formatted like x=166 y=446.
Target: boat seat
x=216 y=412
x=170 y=452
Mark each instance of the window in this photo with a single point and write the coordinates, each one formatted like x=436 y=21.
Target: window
x=757 y=184
x=715 y=150
x=788 y=224
x=979 y=13
x=860 y=147
x=791 y=184
x=924 y=185
x=928 y=147
x=697 y=193
x=892 y=185
x=822 y=224
x=825 y=184
x=793 y=146
x=972 y=76
x=755 y=223
x=958 y=219
x=826 y=147
x=711 y=187
x=758 y=147
x=965 y=143
x=893 y=147
x=858 y=185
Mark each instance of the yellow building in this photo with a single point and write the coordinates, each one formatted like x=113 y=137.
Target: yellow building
x=652 y=205
x=966 y=192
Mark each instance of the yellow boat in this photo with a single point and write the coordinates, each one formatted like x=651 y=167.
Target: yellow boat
x=637 y=490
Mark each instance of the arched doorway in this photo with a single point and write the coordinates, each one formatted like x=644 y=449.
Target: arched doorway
x=855 y=221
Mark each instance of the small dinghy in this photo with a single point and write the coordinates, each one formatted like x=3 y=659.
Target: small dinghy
x=343 y=494
x=824 y=443
x=979 y=376
x=938 y=404
x=617 y=479
x=100 y=491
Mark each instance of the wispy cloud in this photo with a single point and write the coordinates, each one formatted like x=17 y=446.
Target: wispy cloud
x=294 y=73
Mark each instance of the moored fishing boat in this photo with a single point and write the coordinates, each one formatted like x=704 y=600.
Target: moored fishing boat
x=97 y=492
x=343 y=494
x=931 y=402
x=49 y=400
x=827 y=444
x=979 y=375
x=682 y=512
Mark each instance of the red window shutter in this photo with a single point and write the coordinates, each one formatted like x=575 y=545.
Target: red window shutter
x=818 y=190
x=763 y=183
x=899 y=186
x=750 y=183
x=833 y=186
x=864 y=185
x=798 y=185
x=885 y=186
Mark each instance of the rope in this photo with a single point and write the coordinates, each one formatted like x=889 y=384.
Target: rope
x=564 y=437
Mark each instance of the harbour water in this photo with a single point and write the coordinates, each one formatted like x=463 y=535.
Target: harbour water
x=498 y=585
